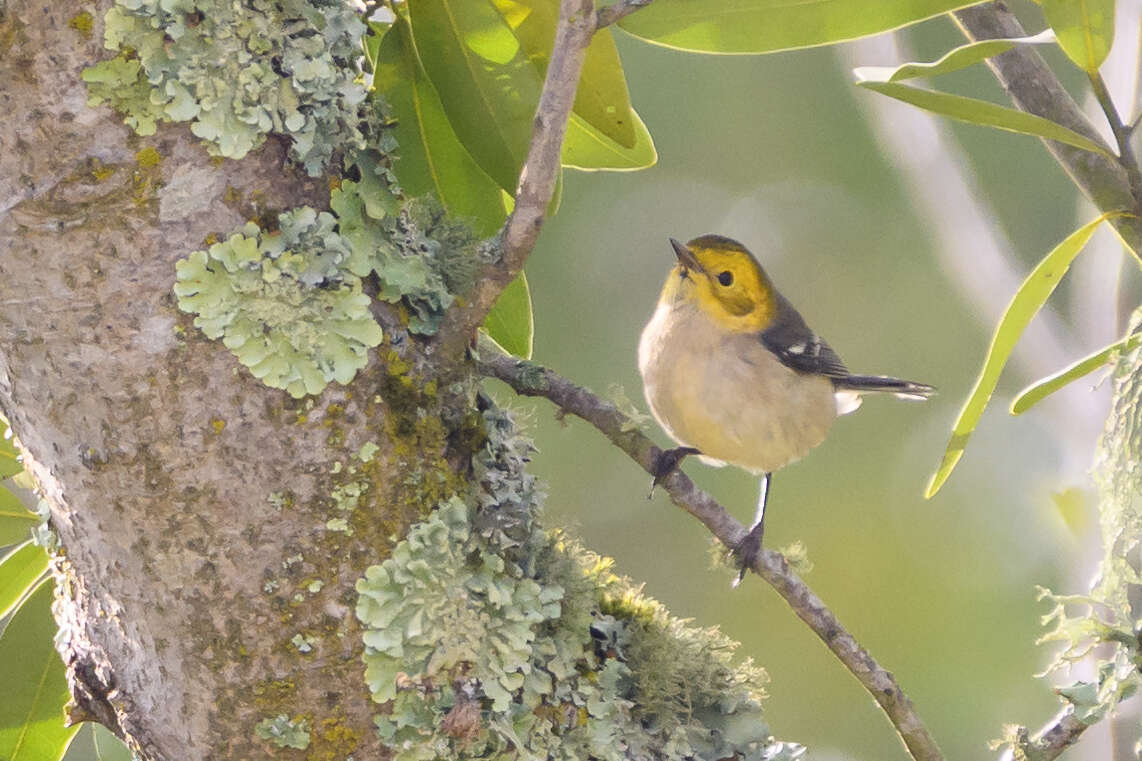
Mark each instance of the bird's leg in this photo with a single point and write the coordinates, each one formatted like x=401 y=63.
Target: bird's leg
x=668 y=462
x=749 y=548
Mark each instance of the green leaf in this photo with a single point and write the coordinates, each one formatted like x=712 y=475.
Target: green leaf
x=9 y=456
x=35 y=688
x=975 y=111
x=108 y=747
x=431 y=157
x=1026 y=303
x=953 y=60
x=1085 y=29
x=509 y=323
x=763 y=26
x=587 y=149
x=19 y=571
x=487 y=85
x=602 y=99
x=16 y=521
x=1044 y=387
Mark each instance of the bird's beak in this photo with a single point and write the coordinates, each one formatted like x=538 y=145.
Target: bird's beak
x=685 y=256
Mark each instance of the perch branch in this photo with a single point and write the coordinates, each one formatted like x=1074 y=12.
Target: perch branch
x=537 y=179
x=1034 y=88
x=530 y=379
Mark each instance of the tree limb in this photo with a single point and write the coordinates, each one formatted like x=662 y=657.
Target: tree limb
x=538 y=177
x=1034 y=88
x=612 y=14
x=530 y=379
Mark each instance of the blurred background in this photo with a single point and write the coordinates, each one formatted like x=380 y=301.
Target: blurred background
x=900 y=239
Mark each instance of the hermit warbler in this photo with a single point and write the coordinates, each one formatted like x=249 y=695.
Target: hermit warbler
x=733 y=374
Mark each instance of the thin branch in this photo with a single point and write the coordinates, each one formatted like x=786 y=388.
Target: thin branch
x=612 y=14
x=1051 y=740
x=1034 y=88
x=530 y=379
x=1121 y=133
x=538 y=177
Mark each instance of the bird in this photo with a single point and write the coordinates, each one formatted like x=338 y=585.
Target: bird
x=734 y=375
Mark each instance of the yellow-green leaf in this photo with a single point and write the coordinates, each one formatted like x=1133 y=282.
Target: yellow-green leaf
x=953 y=60
x=19 y=571
x=1044 y=387
x=487 y=85
x=975 y=111
x=763 y=26
x=1026 y=303
x=509 y=323
x=587 y=149
x=16 y=521
x=1085 y=29
x=10 y=463
x=35 y=688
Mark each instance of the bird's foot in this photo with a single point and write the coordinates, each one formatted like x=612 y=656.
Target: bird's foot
x=748 y=551
x=668 y=462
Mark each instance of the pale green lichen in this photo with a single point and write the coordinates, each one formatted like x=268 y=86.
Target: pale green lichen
x=303 y=642
x=284 y=732
x=239 y=71
x=490 y=638
x=286 y=303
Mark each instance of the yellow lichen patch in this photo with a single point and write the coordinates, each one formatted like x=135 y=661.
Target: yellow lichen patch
x=101 y=171
x=83 y=23
x=148 y=158
x=331 y=740
x=218 y=425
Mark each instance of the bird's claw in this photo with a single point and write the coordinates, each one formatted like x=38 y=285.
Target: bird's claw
x=668 y=462
x=747 y=552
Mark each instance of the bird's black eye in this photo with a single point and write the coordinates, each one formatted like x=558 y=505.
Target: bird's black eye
x=726 y=277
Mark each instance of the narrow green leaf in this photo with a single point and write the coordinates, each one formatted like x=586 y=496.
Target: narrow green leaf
x=975 y=111
x=19 y=571
x=9 y=456
x=431 y=157
x=35 y=688
x=1085 y=29
x=487 y=86
x=108 y=747
x=509 y=323
x=602 y=99
x=1025 y=304
x=16 y=521
x=587 y=149
x=953 y=60
x=763 y=26
x=1044 y=387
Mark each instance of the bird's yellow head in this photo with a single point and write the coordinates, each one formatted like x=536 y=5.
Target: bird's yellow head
x=721 y=277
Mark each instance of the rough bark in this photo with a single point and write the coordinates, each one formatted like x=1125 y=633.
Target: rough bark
x=190 y=500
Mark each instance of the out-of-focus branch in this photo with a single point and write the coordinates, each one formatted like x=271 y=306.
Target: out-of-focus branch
x=1121 y=133
x=1050 y=742
x=1034 y=88
x=612 y=14
x=530 y=379
x=538 y=178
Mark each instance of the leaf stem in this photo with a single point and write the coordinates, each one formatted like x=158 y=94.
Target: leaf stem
x=1121 y=132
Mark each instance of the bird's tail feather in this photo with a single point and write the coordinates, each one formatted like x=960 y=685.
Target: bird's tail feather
x=901 y=388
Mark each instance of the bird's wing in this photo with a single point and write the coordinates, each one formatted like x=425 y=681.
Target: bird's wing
x=798 y=347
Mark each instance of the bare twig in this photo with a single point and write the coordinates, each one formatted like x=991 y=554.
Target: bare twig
x=537 y=179
x=612 y=14
x=1050 y=741
x=1034 y=88
x=1121 y=133
x=530 y=379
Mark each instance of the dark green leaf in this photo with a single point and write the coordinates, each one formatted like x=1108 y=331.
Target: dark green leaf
x=19 y=571
x=763 y=26
x=509 y=323
x=602 y=99
x=431 y=158
x=1044 y=387
x=1026 y=303
x=16 y=521
x=1085 y=29
x=35 y=688
x=487 y=86
x=953 y=60
x=587 y=149
x=976 y=111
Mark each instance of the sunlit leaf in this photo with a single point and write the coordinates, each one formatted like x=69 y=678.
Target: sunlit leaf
x=1026 y=303
x=430 y=157
x=9 y=455
x=1085 y=29
x=16 y=521
x=602 y=99
x=763 y=26
x=19 y=571
x=1044 y=387
x=587 y=149
x=108 y=747
x=487 y=86
x=35 y=688
x=509 y=323
x=975 y=111
x=953 y=60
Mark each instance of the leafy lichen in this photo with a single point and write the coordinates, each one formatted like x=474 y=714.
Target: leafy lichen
x=284 y=732
x=489 y=637
x=285 y=303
